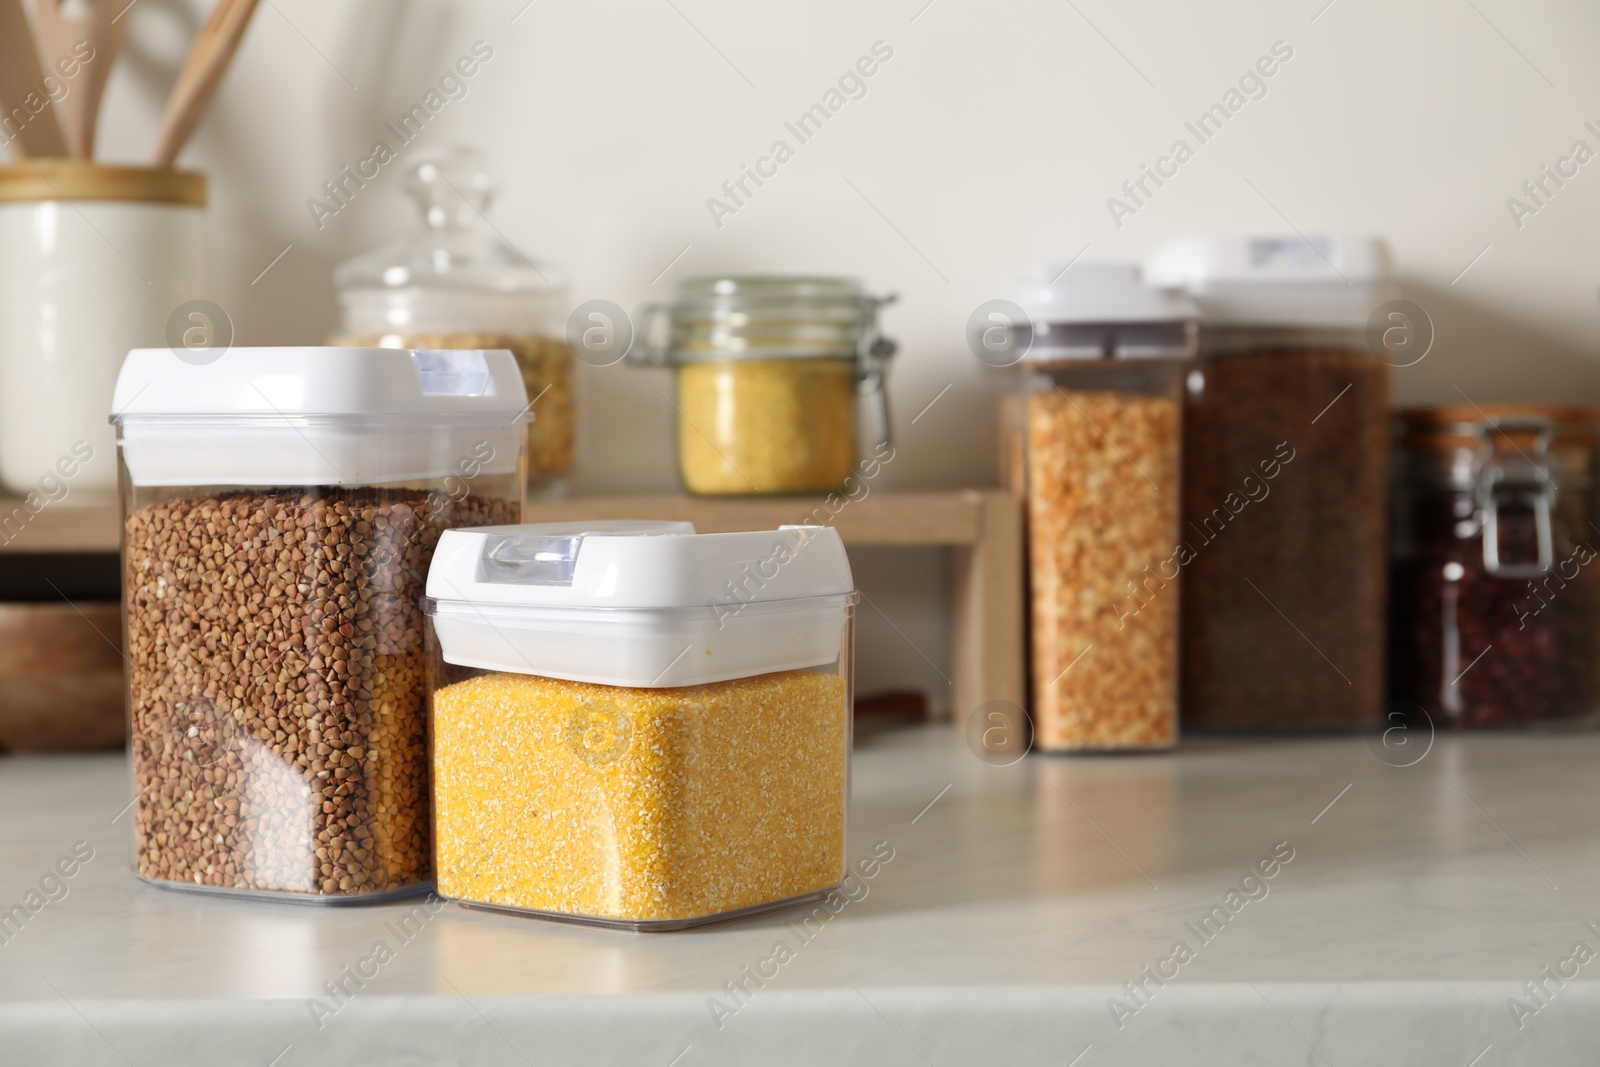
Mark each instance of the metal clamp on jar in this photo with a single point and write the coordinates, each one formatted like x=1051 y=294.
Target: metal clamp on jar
x=1495 y=595
x=768 y=372
x=1521 y=480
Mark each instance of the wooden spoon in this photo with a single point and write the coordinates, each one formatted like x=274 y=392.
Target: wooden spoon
x=102 y=29
x=28 y=133
x=202 y=73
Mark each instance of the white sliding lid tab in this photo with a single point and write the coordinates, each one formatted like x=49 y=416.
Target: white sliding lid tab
x=1102 y=292
x=1091 y=311
x=317 y=416
x=639 y=603
x=1316 y=281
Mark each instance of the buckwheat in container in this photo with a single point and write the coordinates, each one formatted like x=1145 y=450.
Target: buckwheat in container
x=280 y=507
x=639 y=726
x=1286 y=430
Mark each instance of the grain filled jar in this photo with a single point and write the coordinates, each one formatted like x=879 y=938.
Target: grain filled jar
x=454 y=282
x=635 y=725
x=280 y=507
x=1100 y=438
x=1285 y=471
x=773 y=375
x=1495 y=594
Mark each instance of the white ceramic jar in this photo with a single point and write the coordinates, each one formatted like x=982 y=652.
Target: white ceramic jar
x=94 y=261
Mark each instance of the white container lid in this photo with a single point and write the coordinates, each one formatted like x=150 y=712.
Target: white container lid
x=1313 y=282
x=647 y=604
x=1102 y=292
x=317 y=416
x=1098 y=310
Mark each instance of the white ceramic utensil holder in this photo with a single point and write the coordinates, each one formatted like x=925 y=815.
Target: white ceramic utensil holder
x=94 y=261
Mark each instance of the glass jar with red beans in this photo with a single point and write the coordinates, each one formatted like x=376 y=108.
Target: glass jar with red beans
x=1495 y=589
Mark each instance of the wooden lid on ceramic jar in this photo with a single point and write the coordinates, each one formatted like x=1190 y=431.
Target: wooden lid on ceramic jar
x=35 y=180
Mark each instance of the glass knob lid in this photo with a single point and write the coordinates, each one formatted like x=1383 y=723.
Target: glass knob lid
x=454 y=245
x=452 y=189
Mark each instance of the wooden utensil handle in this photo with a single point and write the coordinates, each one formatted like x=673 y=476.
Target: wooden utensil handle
x=202 y=73
x=29 y=132
x=100 y=30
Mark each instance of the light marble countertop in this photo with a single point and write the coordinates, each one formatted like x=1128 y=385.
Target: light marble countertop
x=1018 y=902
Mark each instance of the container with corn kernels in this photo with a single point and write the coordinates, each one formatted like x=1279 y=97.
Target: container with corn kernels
x=1102 y=362
x=639 y=726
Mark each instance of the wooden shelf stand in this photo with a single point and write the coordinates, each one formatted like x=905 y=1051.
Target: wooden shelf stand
x=981 y=527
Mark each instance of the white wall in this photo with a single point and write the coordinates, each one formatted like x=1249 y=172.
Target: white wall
x=987 y=145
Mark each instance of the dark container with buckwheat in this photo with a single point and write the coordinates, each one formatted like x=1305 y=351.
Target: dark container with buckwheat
x=280 y=509
x=1285 y=478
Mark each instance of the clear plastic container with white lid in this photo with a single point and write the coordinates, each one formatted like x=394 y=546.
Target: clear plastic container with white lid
x=1096 y=447
x=280 y=508
x=636 y=725
x=1286 y=462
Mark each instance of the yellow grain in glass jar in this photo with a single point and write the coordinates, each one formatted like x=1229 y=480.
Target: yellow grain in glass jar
x=769 y=372
x=617 y=741
x=766 y=425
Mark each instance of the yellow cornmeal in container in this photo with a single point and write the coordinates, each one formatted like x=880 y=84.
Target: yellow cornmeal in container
x=637 y=804
x=766 y=425
x=637 y=725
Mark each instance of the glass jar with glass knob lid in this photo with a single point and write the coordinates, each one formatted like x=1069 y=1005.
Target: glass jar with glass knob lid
x=456 y=282
x=780 y=381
